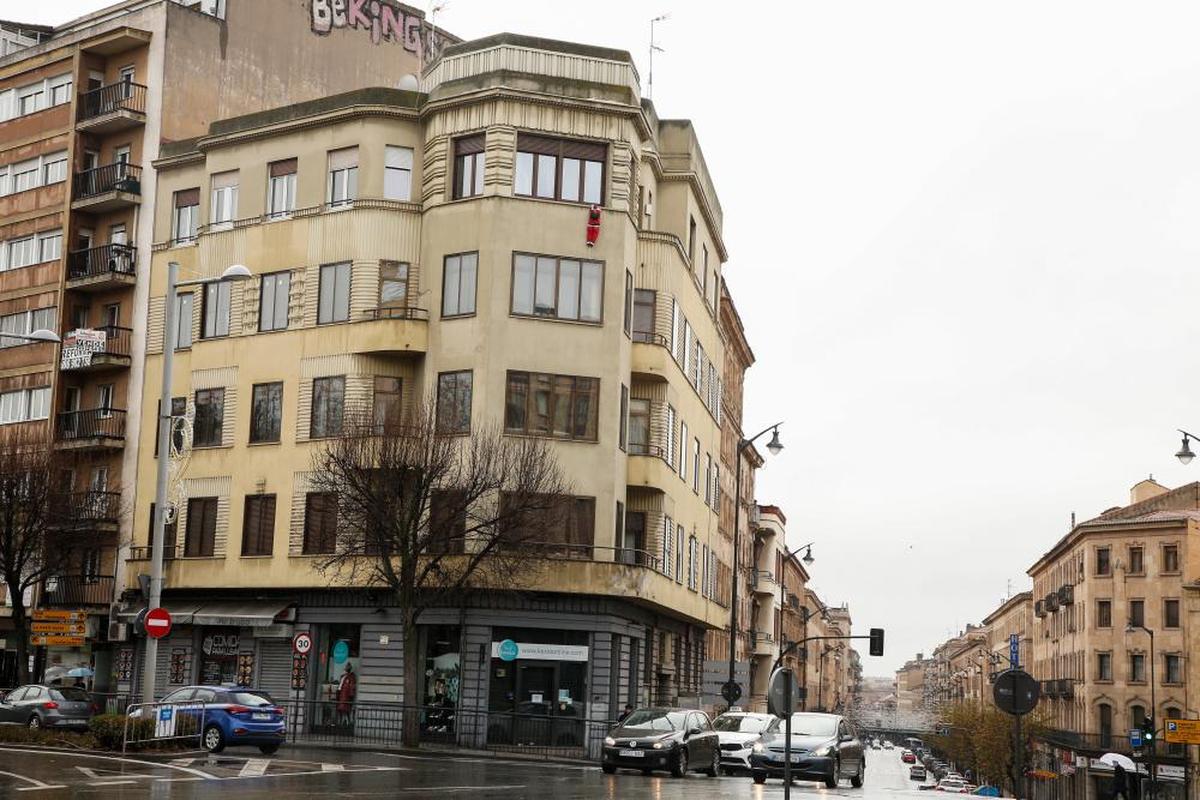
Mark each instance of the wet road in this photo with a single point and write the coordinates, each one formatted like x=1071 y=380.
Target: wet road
x=321 y=773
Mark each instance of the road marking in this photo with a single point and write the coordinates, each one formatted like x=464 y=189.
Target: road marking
x=183 y=762
x=506 y=761
x=254 y=767
x=112 y=783
x=332 y=768
x=36 y=783
x=66 y=753
x=460 y=788
x=43 y=786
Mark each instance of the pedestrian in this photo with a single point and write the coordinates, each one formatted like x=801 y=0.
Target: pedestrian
x=347 y=691
x=1120 y=783
x=625 y=714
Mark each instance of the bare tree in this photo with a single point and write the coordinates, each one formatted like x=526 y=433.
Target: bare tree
x=431 y=516
x=43 y=527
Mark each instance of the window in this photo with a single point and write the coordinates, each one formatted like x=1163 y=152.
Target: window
x=54 y=168
x=1103 y=562
x=678 y=554
x=1137 y=612
x=683 y=455
x=561 y=288
x=1170 y=562
x=1137 y=564
x=1104 y=613
x=22 y=252
x=24 y=405
x=1104 y=712
x=623 y=418
x=343 y=176
x=559 y=169
x=320 y=523
x=1171 y=613
x=468 y=166
x=386 y=403
x=1173 y=672
x=692 y=556
x=178 y=409
x=561 y=406
x=186 y=216
x=691 y=239
x=393 y=284
x=708 y=479
x=670 y=454
x=273 y=301
x=333 y=299
x=569 y=521
x=201 y=535
x=183 y=320
x=1104 y=666
x=628 y=302
x=447 y=521
x=105 y=393
x=458 y=284
x=1137 y=666
x=31 y=99
x=258 y=525
x=25 y=323
x=216 y=309
x=281 y=188
x=397 y=173
x=210 y=418
x=266 y=412
x=643 y=315
x=60 y=89
x=25 y=175
x=639 y=427
x=328 y=403
x=668 y=538
x=49 y=246
x=696 y=466
x=224 y=198
x=454 y=402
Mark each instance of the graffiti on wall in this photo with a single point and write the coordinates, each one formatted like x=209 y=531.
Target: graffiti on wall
x=384 y=21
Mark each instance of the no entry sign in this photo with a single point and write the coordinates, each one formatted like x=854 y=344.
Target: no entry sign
x=158 y=623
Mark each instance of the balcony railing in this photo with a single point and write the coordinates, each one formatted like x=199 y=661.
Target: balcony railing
x=647 y=449
x=123 y=96
x=81 y=509
x=650 y=337
x=119 y=177
x=92 y=423
x=592 y=552
x=107 y=259
x=79 y=590
x=397 y=312
x=171 y=551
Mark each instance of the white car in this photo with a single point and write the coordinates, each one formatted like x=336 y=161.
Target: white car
x=952 y=786
x=737 y=731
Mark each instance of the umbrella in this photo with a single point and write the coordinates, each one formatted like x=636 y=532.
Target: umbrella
x=1113 y=759
x=55 y=673
x=81 y=672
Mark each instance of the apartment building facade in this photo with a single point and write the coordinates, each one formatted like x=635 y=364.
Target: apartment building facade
x=912 y=693
x=84 y=108
x=432 y=247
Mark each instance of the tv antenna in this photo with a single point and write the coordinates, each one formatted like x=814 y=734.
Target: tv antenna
x=653 y=47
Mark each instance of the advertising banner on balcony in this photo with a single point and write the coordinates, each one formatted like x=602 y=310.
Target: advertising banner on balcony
x=80 y=345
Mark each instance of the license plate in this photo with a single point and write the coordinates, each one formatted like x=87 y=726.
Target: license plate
x=797 y=758
x=631 y=754
x=260 y=716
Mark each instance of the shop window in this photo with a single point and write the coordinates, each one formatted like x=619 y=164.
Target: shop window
x=218 y=657
x=340 y=673
x=442 y=681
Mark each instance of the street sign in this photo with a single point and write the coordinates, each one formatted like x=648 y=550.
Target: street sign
x=302 y=643
x=52 y=614
x=1135 y=737
x=72 y=628
x=1016 y=692
x=1183 y=731
x=1014 y=651
x=781 y=693
x=51 y=640
x=731 y=691
x=158 y=623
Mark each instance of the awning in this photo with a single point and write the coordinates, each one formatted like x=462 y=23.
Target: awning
x=242 y=613
x=181 y=612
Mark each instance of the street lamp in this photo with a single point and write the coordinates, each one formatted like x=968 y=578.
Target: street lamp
x=40 y=336
x=235 y=272
x=774 y=446
x=1185 y=454
x=1130 y=628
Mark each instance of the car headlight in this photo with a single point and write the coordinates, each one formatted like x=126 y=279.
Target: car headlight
x=758 y=747
x=608 y=740
x=659 y=745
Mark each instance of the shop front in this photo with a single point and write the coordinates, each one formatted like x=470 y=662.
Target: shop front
x=537 y=691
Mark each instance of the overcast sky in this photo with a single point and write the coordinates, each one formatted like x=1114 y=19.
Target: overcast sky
x=963 y=238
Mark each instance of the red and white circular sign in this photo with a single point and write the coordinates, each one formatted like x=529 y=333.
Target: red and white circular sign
x=302 y=643
x=158 y=623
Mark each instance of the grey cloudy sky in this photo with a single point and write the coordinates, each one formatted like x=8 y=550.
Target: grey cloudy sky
x=963 y=240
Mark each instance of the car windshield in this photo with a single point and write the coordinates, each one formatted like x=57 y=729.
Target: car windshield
x=251 y=698
x=737 y=724
x=71 y=693
x=655 y=719
x=809 y=725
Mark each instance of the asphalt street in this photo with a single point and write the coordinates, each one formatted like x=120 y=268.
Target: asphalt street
x=323 y=773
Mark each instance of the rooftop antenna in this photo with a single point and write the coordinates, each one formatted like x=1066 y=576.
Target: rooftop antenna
x=653 y=47
x=434 y=8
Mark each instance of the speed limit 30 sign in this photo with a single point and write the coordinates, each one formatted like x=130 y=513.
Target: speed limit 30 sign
x=302 y=643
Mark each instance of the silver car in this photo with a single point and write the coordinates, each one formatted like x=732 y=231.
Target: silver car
x=39 y=706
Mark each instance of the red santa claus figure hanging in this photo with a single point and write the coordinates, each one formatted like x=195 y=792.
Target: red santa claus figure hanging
x=593 y=225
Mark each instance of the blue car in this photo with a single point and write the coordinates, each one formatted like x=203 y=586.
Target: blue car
x=233 y=715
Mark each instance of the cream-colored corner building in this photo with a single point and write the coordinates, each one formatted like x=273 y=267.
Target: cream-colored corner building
x=911 y=690
x=1131 y=563
x=433 y=245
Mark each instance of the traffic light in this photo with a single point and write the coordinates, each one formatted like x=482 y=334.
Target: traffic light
x=1148 y=730
x=876 y=641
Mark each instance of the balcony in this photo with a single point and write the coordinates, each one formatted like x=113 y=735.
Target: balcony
x=764 y=644
x=390 y=331
x=108 y=188
x=90 y=510
x=763 y=582
x=98 y=269
x=93 y=429
x=98 y=356
x=112 y=108
x=74 y=591
x=651 y=356
x=647 y=467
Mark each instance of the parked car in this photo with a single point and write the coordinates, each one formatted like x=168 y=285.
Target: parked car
x=230 y=715
x=916 y=772
x=888 y=745
x=824 y=747
x=952 y=785
x=737 y=731
x=677 y=739
x=908 y=757
x=40 y=706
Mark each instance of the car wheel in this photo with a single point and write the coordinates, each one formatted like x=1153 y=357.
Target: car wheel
x=760 y=777
x=715 y=769
x=857 y=780
x=35 y=722
x=608 y=769
x=680 y=767
x=268 y=749
x=831 y=780
x=214 y=739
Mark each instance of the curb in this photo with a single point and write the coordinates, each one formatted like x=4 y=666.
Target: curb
x=450 y=753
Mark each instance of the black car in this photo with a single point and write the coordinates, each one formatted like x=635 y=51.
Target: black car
x=676 y=739
x=824 y=748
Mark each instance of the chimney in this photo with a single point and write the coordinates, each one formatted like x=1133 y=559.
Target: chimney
x=1145 y=490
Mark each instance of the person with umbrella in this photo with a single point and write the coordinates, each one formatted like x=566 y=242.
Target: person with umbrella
x=1121 y=764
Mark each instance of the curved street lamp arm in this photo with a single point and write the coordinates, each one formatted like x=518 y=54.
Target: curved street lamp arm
x=744 y=443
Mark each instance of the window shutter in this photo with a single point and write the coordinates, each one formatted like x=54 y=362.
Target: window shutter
x=285 y=167
x=225 y=180
x=467 y=145
x=587 y=151
x=187 y=197
x=345 y=158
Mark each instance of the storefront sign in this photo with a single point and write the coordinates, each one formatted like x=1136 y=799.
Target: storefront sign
x=220 y=644
x=341 y=651
x=508 y=650
x=79 y=345
x=1183 y=731
x=1171 y=772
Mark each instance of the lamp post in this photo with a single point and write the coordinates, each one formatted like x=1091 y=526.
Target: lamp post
x=236 y=272
x=808 y=559
x=774 y=446
x=1185 y=454
x=1130 y=628
x=40 y=336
